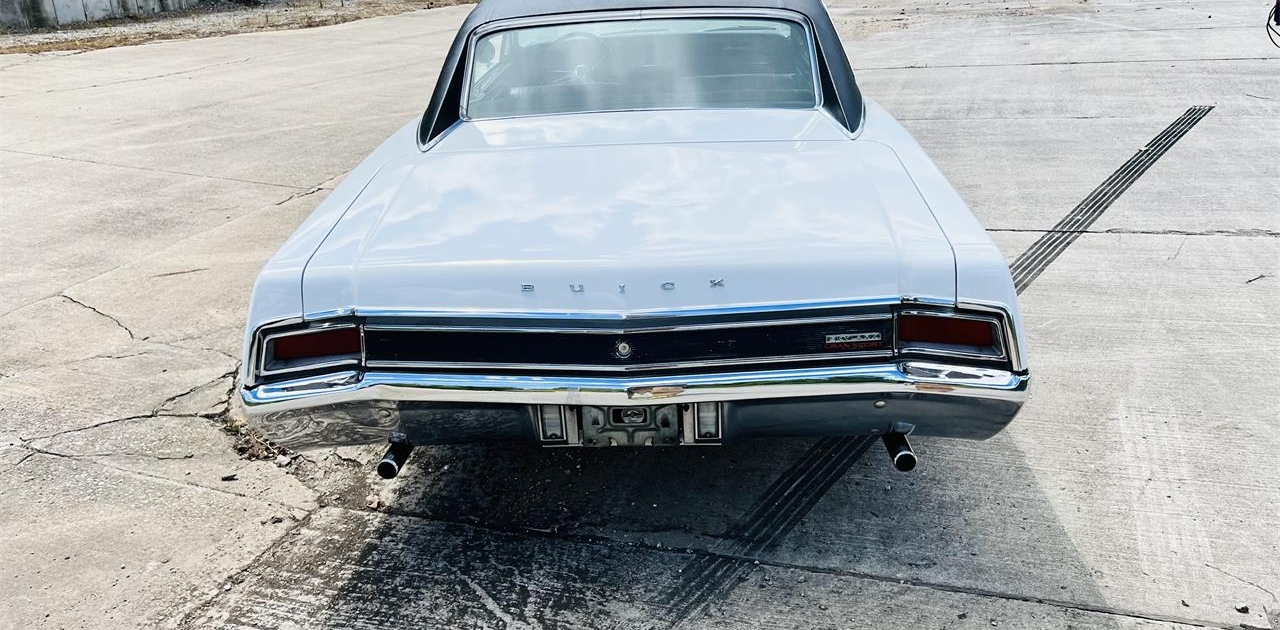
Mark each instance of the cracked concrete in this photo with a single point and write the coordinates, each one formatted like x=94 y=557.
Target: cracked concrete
x=146 y=186
x=173 y=541
x=310 y=191
x=132 y=237
x=98 y=389
x=113 y=319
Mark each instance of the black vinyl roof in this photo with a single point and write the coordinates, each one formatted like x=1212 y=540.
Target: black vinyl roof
x=492 y=10
x=842 y=98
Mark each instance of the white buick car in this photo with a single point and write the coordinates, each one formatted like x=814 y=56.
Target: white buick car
x=635 y=223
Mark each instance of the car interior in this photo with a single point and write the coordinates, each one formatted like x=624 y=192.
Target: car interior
x=580 y=71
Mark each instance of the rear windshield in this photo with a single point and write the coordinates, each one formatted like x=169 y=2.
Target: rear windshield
x=656 y=63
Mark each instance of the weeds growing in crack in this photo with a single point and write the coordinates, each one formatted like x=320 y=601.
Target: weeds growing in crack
x=251 y=444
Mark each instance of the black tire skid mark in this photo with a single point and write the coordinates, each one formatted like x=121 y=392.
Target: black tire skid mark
x=794 y=493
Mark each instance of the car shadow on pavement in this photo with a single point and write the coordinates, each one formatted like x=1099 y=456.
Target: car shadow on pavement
x=514 y=536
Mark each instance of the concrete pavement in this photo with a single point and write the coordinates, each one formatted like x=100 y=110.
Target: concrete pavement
x=142 y=187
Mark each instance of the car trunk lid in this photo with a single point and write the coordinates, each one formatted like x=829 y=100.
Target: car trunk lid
x=620 y=228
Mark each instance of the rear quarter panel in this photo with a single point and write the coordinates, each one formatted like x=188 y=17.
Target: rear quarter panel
x=277 y=293
x=982 y=274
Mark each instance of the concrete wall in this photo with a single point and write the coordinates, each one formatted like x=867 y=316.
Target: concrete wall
x=37 y=13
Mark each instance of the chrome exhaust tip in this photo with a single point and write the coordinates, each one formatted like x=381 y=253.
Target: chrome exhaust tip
x=394 y=460
x=904 y=459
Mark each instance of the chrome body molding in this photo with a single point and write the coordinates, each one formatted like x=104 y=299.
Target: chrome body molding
x=627 y=330
x=1010 y=323
x=904 y=377
x=961 y=401
x=791 y=310
x=1004 y=340
x=640 y=367
x=261 y=366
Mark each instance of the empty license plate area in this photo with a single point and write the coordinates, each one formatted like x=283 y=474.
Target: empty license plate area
x=630 y=426
x=656 y=425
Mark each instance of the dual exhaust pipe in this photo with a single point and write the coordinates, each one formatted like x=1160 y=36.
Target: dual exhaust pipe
x=895 y=442
x=397 y=455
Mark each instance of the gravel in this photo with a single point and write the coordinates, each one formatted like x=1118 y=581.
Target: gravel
x=211 y=18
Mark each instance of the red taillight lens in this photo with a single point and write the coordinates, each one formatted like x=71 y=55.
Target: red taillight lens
x=320 y=343
x=947 y=330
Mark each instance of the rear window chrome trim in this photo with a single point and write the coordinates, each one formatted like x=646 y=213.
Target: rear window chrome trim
x=643 y=14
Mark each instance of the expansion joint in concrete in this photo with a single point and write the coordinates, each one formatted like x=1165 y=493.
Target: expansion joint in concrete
x=1095 y=62
x=153 y=170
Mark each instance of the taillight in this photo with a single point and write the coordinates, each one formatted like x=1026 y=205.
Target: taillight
x=299 y=350
x=916 y=330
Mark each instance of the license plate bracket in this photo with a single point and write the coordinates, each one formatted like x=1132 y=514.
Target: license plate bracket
x=657 y=425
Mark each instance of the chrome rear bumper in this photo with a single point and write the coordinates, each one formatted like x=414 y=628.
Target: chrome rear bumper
x=441 y=408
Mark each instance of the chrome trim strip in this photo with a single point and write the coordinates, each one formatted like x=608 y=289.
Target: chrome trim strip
x=267 y=337
x=423 y=148
x=1007 y=323
x=632 y=14
x=1008 y=348
x=551 y=367
x=615 y=315
x=904 y=378
x=318 y=326
x=954 y=354
x=328 y=314
x=948 y=314
x=364 y=352
x=257 y=349
x=854 y=134
x=636 y=316
x=1000 y=345
x=311 y=367
x=632 y=331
